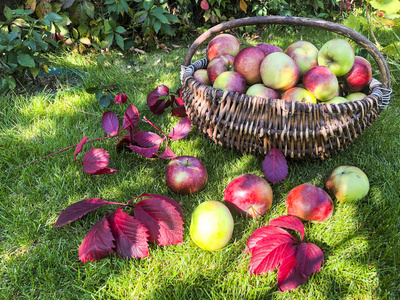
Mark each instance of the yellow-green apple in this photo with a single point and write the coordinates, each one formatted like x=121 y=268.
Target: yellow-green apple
x=219 y=64
x=337 y=55
x=359 y=76
x=347 y=183
x=221 y=44
x=309 y=202
x=298 y=94
x=247 y=62
x=268 y=48
x=211 y=225
x=321 y=82
x=201 y=76
x=279 y=71
x=260 y=90
x=186 y=175
x=248 y=195
x=355 y=96
x=304 y=53
x=337 y=100
x=230 y=81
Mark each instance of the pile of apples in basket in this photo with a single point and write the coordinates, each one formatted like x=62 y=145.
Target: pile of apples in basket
x=332 y=74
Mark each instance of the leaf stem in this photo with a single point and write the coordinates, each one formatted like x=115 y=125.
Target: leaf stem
x=148 y=121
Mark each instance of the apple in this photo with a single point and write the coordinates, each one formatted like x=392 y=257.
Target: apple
x=359 y=76
x=230 y=81
x=201 y=76
x=355 y=96
x=260 y=90
x=248 y=195
x=310 y=203
x=279 y=71
x=347 y=183
x=337 y=55
x=186 y=175
x=221 y=44
x=219 y=64
x=298 y=94
x=268 y=48
x=247 y=62
x=304 y=53
x=321 y=82
x=337 y=100
x=211 y=225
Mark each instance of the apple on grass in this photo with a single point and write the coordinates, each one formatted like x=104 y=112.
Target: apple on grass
x=249 y=195
x=201 y=76
x=222 y=44
x=298 y=94
x=321 y=82
x=247 y=63
x=279 y=71
x=230 y=81
x=359 y=76
x=347 y=183
x=186 y=175
x=304 y=53
x=355 y=96
x=260 y=90
x=268 y=48
x=218 y=65
x=310 y=203
x=211 y=225
x=337 y=55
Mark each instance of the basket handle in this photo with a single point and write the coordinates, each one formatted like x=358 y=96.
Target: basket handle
x=306 y=22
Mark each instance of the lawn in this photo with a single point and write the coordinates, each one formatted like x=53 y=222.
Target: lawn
x=361 y=242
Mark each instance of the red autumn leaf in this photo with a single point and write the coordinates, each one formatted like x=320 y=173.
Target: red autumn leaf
x=95 y=160
x=261 y=233
x=110 y=123
x=104 y=171
x=155 y=95
x=167 y=154
x=146 y=152
x=181 y=129
x=98 y=243
x=170 y=101
x=289 y=222
x=130 y=235
x=131 y=117
x=274 y=166
x=204 y=5
x=79 y=209
x=309 y=258
x=162 y=220
x=147 y=139
x=158 y=108
x=120 y=98
x=179 y=100
x=122 y=142
x=288 y=275
x=179 y=111
x=78 y=148
x=169 y=200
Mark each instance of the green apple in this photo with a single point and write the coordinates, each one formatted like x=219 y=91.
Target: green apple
x=211 y=225
x=338 y=55
x=355 y=96
x=347 y=183
x=337 y=100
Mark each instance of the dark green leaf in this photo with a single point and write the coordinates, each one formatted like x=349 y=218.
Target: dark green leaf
x=120 y=29
x=141 y=16
x=106 y=100
x=8 y=13
x=26 y=60
x=172 y=18
x=147 y=4
x=89 y=8
x=99 y=94
x=92 y=90
x=53 y=17
x=157 y=26
x=12 y=35
x=120 y=41
x=11 y=82
x=160 y=16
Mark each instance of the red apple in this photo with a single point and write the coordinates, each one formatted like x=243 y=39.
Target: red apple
x=202 y=77
x=219 y=64
x=268 y=48
x=186 y=175
x=222 y=44
x=298 y=94
x=260 y=90
x=337 y=55
x=309 y=203
x=247 y=62
x=249 y=195
x=304 y=54
x=279 y=71
x=230 y=81
x=321 y=82
x=359 y=76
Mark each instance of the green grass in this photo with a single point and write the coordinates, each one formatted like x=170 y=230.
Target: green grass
x=361 y=242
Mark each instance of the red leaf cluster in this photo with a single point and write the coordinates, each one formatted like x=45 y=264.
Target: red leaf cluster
x=160 y=98
x=274 y=166
x=272 y=247
x=157 y=219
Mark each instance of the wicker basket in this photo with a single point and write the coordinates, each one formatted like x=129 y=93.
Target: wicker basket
x=254 y=125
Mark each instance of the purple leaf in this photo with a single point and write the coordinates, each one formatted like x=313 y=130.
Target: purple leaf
x=146 y=152
x=158 y=108
x=110 y=123
x=95 y=160
x=275 y=167
x=79 y=209
x=179 y=111
x=167 y=154
x=120 y=98
x=309 y=258
x=162 y=220
x=288 y=275
x=105 y=171
x=179 y=100
x=289 y=222
x=130 y=235
x=98 y=243
x=78 y=148
x=154 y=95
x=147 y=139
x=181 y=129
x=169 y=200
x=261 y=233
x=131 y=117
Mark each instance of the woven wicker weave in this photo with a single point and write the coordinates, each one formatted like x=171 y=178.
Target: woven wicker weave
x=254 y=125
